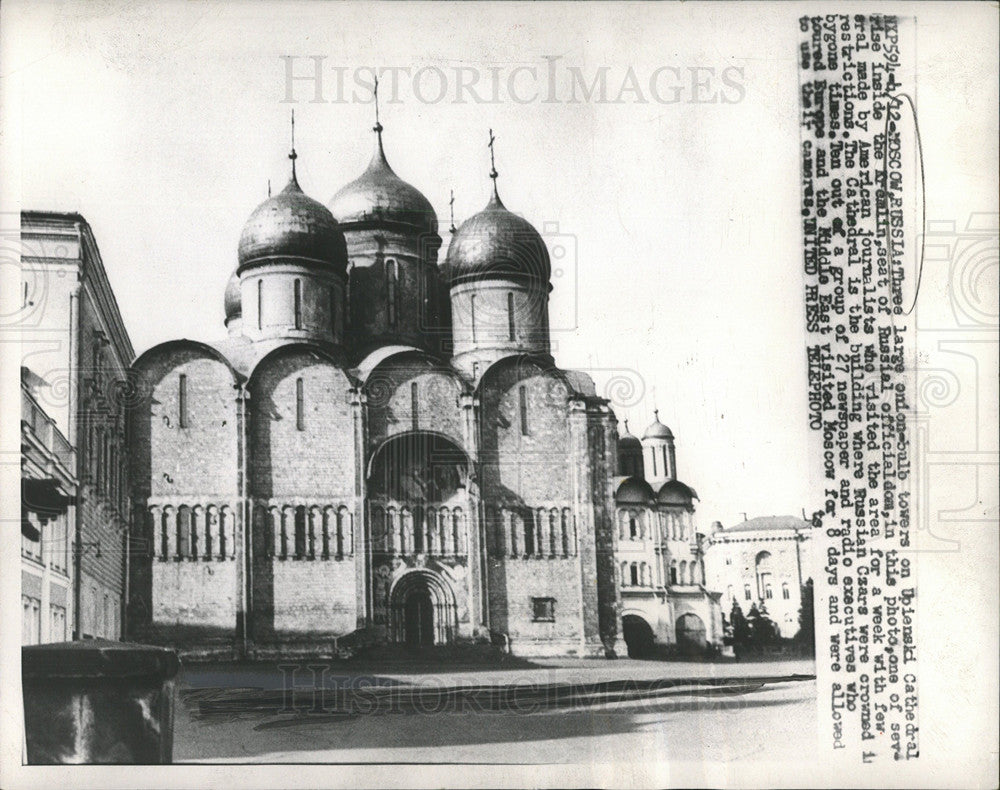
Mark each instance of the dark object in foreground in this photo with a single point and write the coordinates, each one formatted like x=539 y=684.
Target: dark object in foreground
x=98 y=702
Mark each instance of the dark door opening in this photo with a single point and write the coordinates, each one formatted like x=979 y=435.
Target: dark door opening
x=638 y=636
x=418 y=619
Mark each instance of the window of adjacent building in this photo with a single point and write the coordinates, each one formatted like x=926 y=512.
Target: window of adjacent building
x=260 y=304
x=510 y=315
x=768 y=592
x=31 y=620
x=763 y=571
x=785 y=593
x=634 y=575
x=182 y=404
x=300 y=412
x=673 y=572
x=392 y=278
x=729 y=560
x=522 y=393
x=543 y=610
x=297 y=288
x=746 y=592
x=58 y=623
x=31 y=541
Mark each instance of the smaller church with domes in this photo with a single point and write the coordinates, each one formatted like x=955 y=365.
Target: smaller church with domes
x=382 y=449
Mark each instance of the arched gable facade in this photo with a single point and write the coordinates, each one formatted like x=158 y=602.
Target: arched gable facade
x=185 y=492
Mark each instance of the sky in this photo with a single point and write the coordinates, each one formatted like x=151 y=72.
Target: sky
x=673 y=188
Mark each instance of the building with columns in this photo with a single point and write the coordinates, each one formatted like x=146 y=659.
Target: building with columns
x=762 y=562
x=381 y=448
x=666 y=606
x=76 y=353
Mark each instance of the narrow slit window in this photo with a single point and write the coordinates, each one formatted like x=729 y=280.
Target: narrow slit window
x=510 y=315
x=392 y=274
x=333 y=309
x=523 y=408
x=472 y=315
x=300 y=416
x=260 y=304
x=297 y=286
x=655 y=474
x=182 y=404
x=414 y=404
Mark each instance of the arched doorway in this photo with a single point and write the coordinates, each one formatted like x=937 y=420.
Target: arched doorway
x=638 y=636
x=691 y=634
x=423 y=610
x=418 y=619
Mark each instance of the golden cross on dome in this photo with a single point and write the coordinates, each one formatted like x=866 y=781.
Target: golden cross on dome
x=451 y=209
x=493 y=164
x=293 y=156
x=377 y=128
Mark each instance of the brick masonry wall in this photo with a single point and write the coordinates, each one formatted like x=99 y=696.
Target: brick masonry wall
x=289 y=466
x=528 y=470
x=181 y=602
x=314 y=597
x=389 y=395
x=316 y=462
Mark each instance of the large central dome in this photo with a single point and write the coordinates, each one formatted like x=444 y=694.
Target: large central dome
x=293 y=225
x=497 y=244
x=380 y=196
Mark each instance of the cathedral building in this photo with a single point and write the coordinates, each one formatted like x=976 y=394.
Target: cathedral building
x=381 y=448
x=666 y=606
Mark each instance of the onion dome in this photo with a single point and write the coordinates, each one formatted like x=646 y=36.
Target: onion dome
x=232 y=300
x=380 y=196
x=656 y=429
x=497 y=244
x=627 y=440
x=293 y=225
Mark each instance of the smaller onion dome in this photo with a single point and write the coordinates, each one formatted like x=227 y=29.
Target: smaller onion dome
x=656 y=429
x=293 y=225
x=379 y=195
x=497 y=244
x=628 y=441
x=232 y=299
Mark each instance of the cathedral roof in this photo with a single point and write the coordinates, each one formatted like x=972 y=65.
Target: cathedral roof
x=497 y=244
x=380 y=196
x=674 y=492
x=656 y=429
x=232 y=301
x=293 y=225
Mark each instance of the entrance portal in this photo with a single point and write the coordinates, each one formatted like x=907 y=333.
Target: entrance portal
x=423 y=610
x=418 y=622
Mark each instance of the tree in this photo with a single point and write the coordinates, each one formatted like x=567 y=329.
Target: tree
x=763 y=630
x=807 y=622
x=741 y=630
